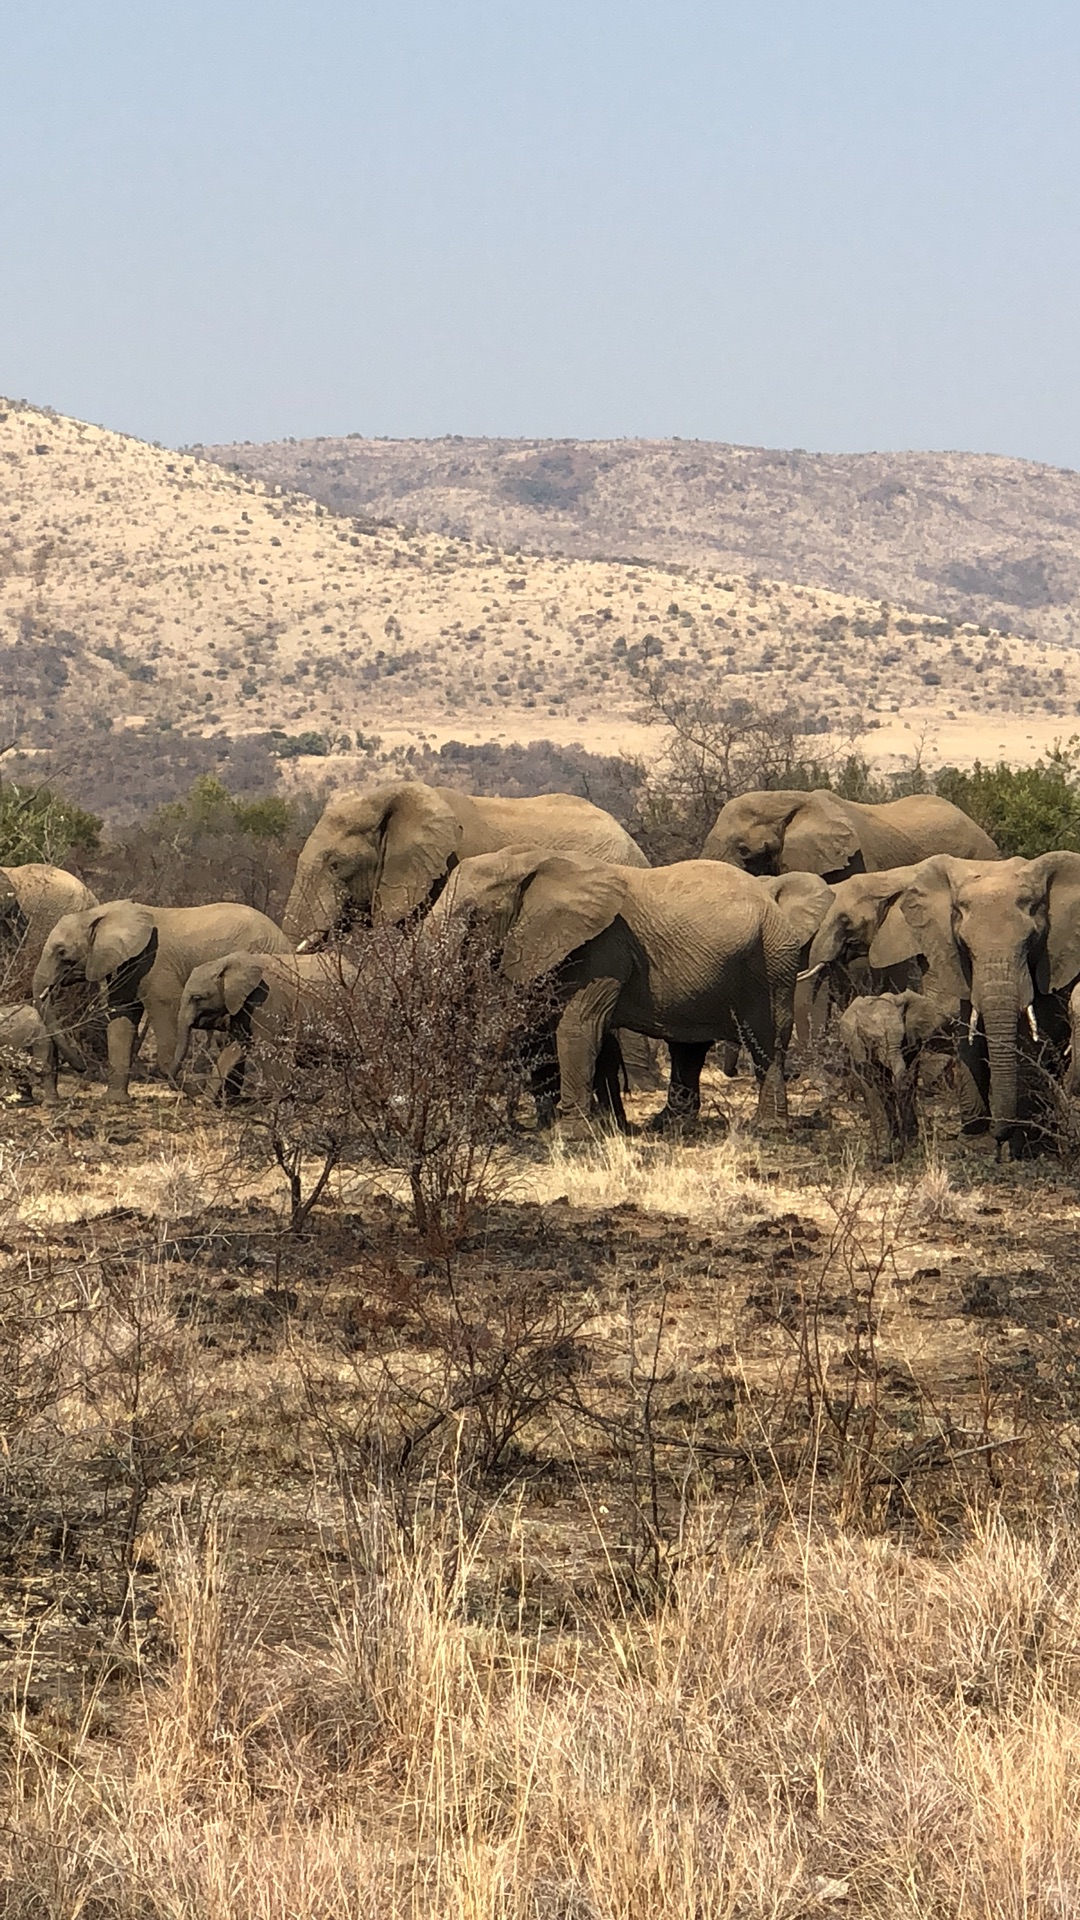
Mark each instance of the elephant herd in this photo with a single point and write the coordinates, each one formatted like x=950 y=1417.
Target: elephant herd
x=905 y=911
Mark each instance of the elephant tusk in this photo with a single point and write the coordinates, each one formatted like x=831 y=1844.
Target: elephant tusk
x=1032 y=1022
x=810 y=973
x=973 y=1026
x=304 y=946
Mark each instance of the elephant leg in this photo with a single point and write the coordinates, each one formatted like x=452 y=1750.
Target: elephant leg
x=729 y=1058
x=643 y=1072
x=48 y=1063
x=684 y=1086
x=544 y=1078
x=123 y=1031
x=578 y=1037
x=608 y=1076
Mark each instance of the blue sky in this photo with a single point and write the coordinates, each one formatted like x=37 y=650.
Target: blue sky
x=782 y=222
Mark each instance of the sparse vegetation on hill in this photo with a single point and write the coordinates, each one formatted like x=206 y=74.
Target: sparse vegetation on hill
x=148 y=598
x=973 y=537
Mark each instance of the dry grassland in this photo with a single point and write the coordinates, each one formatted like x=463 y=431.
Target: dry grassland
x=770 y=1605
x=143 y=587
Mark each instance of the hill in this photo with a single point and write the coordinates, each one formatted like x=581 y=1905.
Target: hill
x=156 y=596
x=973 y=537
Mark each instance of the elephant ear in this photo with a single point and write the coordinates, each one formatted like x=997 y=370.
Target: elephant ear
x=803 y=899
x=820 y=837
x=421 y=842
x=242 y=973
x=119 y=931
x=1060 y=874
x=923 y=1017
x=927 y=907
x=561 y=904
x=894 y=941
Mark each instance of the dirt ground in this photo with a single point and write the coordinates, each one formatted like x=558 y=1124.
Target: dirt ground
x=733 y=1316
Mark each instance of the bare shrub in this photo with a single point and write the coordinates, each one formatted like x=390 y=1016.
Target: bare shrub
x=413 y=1064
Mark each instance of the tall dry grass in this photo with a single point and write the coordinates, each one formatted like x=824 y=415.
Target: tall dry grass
x=810 y=1724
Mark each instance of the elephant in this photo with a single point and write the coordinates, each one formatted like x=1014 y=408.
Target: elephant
x=1002 y=941
x=32 y=899
x=267 y=1000
x=142 y=956
x=883 y=1036
x=863 y=945
x=23 y=1033
x=791 y=832
x=385 y=854
x=691 y=954
x=809 y=898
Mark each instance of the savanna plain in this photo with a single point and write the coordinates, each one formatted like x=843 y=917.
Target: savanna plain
x=630 y=1529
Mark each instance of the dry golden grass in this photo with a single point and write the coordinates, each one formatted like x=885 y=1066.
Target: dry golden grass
x=808 y=1723
x=176 y=592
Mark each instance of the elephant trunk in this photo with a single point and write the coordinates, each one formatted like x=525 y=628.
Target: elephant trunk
x=70 y=1054
x=183 y=1038
x=999 y=995
x=311 y=910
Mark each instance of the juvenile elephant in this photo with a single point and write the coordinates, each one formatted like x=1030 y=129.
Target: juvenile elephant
x=864 y=944
x=271 y=1000
x=690 y=954
x=384 y=854
x=791 y=832
x=883 y=1037
x=142 y=957
x=24 y=1040
x=1002 y=940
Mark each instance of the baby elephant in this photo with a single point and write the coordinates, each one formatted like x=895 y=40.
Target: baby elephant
x=256 y=998
x=24 y=1040
x=884 y=1036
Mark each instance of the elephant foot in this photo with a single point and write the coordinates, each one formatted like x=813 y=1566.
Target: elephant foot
x=574 y=1128
x=117 y=1097
x=672 y=1123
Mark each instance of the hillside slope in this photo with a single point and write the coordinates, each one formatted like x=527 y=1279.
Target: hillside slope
x=146 y=590
x=971 y=536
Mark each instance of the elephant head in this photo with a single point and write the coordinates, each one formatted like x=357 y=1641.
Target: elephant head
x=996 y=936
x=866 y=922
x=536 y=908
x=216 y=993
x=793 y=832
x=372 y=855
x=886 y=1030
x=90 y=946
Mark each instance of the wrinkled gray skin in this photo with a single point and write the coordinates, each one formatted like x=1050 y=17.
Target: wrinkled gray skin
x=864 y=944
x=1072 y=1078
x=883 y=1037
x=691 y=954
x=263 y=1000
x=791 y=832
x=384 y=854
x=23 y=1033
x=141 y=956
x=32 y=899
x=808 y=898
x=1002 y=940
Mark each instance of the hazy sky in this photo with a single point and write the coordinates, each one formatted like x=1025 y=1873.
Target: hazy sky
x=785 y=222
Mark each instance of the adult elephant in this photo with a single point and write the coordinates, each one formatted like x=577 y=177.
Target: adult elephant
x=386 y=853
x=268 y=1000
x=141 y=956
x=1002 y=940
x=789 y=832
x=32 y=899
x=807 y=898
x=691 y=954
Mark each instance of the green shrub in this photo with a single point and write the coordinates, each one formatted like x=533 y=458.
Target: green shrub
x=36 y=824
x=1026 y=810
